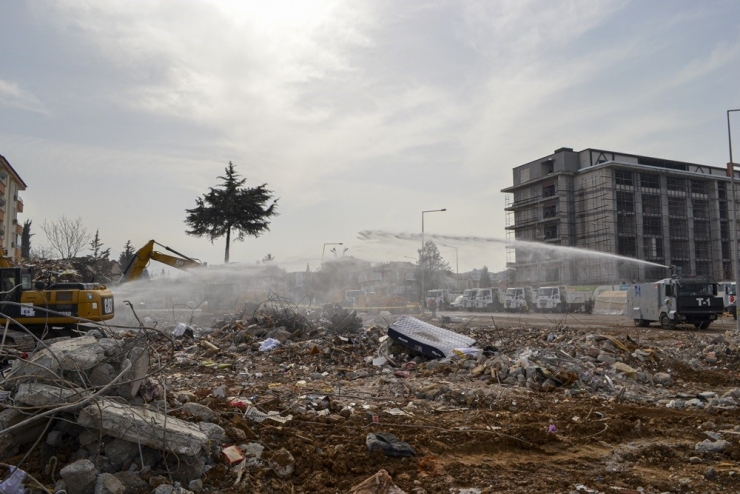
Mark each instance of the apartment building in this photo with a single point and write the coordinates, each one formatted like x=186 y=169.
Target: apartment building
x=662 y=211
x=11 y=184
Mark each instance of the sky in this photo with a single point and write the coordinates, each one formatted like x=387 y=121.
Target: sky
x=357 y=115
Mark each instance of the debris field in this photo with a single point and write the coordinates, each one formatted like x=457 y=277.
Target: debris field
x=282 y=399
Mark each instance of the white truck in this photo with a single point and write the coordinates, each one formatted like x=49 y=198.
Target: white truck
x=469 y=298
x=440 y=296
x=520 y=299
x=561 y=299
x=675 y=301
x=728 y=291
x=488 y=299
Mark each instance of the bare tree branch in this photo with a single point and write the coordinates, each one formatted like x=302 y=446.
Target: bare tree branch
x=67 y=237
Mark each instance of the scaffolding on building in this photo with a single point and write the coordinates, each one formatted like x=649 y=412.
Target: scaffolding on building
x=655 y=216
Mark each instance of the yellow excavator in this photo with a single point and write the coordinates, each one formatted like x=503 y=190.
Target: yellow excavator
x=141 y=259
x=63 y=304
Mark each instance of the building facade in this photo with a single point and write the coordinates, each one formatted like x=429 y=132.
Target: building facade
x=659 y=211
x=11 y=185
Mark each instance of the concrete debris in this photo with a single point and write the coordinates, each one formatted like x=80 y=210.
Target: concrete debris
x=139 y=409
x=380 y=483
x=143 y=426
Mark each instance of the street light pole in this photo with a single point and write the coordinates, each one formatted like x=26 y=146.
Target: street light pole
x=423 y=293
x=324 y=249
x=731 y=166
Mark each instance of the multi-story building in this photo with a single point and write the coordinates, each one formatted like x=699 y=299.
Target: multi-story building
x=661 y=211
x=11 y=184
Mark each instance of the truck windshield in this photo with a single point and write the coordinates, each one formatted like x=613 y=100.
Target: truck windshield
x=545 y=292
x=511 y=292
x=696 y=289
x=731 y=289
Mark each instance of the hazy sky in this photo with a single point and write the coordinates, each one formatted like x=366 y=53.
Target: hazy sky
x=358 y=115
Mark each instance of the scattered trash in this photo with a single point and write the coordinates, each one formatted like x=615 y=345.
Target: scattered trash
x=389 y=444
x=233 y=455
x=14 y=483
x=380 y=483
x=269 y=344
x=259 y=416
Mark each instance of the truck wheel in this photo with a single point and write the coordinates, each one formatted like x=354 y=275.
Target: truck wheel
x=734 y=315
x=641 y=323
x=665 y=322
x=702 y=324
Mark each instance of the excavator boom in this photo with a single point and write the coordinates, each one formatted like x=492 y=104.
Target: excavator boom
x=142 y=257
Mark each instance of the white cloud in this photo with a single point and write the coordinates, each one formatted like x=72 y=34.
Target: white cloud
x=12 y=95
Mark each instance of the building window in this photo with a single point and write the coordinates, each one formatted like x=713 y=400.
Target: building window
x=551 y=232
x=676 y=206
x=703 y=249
x=726 y=250
x=655 y=273
x=724 y=230
x=679 y=227
x=548 y=167
x=627 y=246
x=676 y=184
x=727 y=273
x=649 y=180
x=650 y=204
x=652 y=225
x=703 y=268
x=550 y=211
x=626 y=224
x=698 y=187
x=552 y=274
x=700 y=208
x=625 y=202
x=679 y=249
x=653 y=248
x=623 y=177
x=548 y=190
x=723 y=210
x=701 y=229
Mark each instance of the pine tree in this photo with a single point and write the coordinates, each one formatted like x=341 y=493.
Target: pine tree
x=97 y=247
x=26 y=240
x=485 y=278
x=231 y=207
x=127 y=255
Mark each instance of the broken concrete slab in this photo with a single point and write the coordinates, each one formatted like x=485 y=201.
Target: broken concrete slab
x=44 y=395
x=141 y=425
x=139 y=358
x=73 y=354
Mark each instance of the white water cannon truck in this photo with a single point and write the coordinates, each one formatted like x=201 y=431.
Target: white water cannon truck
x=561 y=299
x=520 y=299
x=674 y=301
x=488 y=300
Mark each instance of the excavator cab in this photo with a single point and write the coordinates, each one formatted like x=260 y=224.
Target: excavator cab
x=12 y=283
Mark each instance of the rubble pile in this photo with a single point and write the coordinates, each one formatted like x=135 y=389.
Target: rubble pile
x=78 y=270
x=289 y=400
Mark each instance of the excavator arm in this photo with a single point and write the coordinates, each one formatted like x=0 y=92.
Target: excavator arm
x=147 y=253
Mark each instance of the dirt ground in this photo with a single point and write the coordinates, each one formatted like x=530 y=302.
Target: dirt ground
x=478 y=435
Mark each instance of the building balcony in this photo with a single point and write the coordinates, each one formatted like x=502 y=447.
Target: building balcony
x=19 y=204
